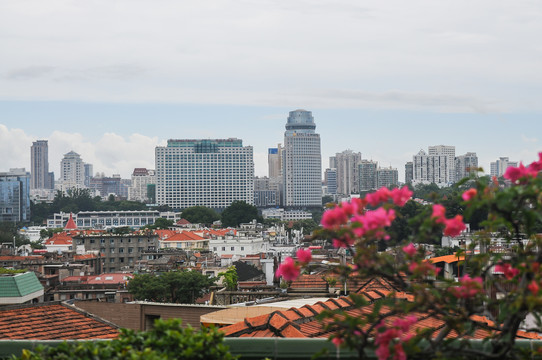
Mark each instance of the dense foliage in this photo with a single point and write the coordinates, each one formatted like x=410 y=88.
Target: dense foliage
x=501 y=284
x=239 y=212
x=171 y=287
x=167 y=340
x=200 y=215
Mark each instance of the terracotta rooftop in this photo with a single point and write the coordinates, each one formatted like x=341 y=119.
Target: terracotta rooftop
x=70 y=225
x=301 y=322
x=59 y=239
x=306 y=281
x=447 y=259
x=184 y=236
x=52 y=322
x=164 y=234
x=183 y=222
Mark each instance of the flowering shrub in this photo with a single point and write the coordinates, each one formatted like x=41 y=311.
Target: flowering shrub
x=499 y=288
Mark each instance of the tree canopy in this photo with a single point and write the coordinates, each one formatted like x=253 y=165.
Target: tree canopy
x=200 y=215
x=239 y=212
x=172 y=287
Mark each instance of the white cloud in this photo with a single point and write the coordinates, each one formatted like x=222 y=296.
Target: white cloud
x=15 y=148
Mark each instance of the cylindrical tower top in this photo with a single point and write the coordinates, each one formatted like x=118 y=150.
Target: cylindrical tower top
x=300 y=120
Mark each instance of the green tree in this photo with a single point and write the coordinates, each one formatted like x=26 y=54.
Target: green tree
x=200 y=215
x=308 y=226
x=167 y=340
x=239 y=212
x=173 y=287
x=230 y=278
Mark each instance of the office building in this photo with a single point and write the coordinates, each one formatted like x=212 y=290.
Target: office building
x=409 y=172
x=466 y=165
x=105 y=186
x=108 y=219
x=498 y=168
x=330 y=181
x=88 y=173
x=367 y=175
x=266 y=193
x=211 y=173
x=347 y=163
x=274 y=161
x=141 y=179
x=72 y=171
x=40 y=177
x=15 y=196
x=387 y=177
x=302 y=162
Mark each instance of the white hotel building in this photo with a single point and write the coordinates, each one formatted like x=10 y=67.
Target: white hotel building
x=211 y=173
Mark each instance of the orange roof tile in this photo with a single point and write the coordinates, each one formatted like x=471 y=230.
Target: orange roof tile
x=52 y=322
x=447 y=259
x=184 y=236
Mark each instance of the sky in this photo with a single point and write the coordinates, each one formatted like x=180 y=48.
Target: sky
x=112 y=80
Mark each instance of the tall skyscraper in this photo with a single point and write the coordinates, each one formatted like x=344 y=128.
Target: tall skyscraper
x=302 y=162
x=273 y=161
x=88 y=173
x=40 y=178
x=409 y=172
x=449 y=152
x=211 y=173
x=347 y=163
x=367 y=175
x=466 y=165
x=387 y=177
x=72 y=171
x=141 y=178
x=437 y=167
x=15 y=195
x=498 y=168
x=330 y=180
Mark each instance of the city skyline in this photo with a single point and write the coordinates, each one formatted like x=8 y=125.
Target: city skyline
x=131 y=145
x=383 y=78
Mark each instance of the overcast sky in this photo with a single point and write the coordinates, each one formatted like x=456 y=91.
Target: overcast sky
x=113 y=79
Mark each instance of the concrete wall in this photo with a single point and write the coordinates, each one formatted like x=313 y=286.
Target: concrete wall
x=141 y=315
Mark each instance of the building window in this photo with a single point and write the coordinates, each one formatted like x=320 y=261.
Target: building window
x=223 y=248
x=232 y=248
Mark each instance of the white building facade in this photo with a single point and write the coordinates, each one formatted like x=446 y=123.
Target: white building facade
x=72 y=171
x=141 y=179
x=211 y=173
x=347 y=163
x=302 y=162
x=498 y=168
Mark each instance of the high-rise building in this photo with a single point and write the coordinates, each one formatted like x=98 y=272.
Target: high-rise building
x=449 y=152
x=141 y=178
x=387 y=177
x=367 y=175
x=330 y=180
x=498 y=168
x=266 y=193
x=40 y=177
x=211 y=173
x=15 y=195
x=274 y=163
x=437 y=167
x=409 y=172
x=88 y=173
x=466 y=165
x=346 y=164
x=105 y=186
x=302 y=162
x=72 y=171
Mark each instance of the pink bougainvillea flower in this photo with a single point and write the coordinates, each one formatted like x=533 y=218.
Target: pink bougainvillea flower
x=439 y=213
x=519 y=174
x=469 y=287
x=469 y=194
x=533 y=287
x=424 y=268
x=337 y=341
x=379 y=196
x=401 y=196
x=334 y=217
x=507 y=269
x=288 y=270
x=304 y=256
x=343 y=242
x=398 y=333
x=410 y=249
x=454 y=226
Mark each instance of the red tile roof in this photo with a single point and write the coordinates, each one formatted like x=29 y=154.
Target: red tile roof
x=302 y=322
x=85 y=257
x=70 y=225
x=164 y=234
x=184 y=236
x=52 y=322
x=306 y=281
x=59 y=239
x=183 y=222
x=447 y=259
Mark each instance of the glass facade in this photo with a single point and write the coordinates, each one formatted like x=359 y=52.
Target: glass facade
x=15 y=196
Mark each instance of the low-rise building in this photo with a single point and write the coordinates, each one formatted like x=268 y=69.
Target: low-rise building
x=109 y=219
